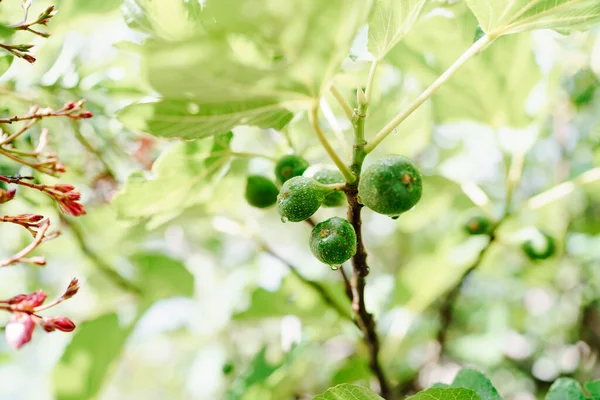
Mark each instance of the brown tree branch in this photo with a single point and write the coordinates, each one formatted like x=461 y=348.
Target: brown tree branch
x=364 y=319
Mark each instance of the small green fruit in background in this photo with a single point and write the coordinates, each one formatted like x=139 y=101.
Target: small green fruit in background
x=539 y=246
x=391 y=186
x=300 y=198
x=261 y=192
x=333 y=241
x=478 y=225
x=328 y=176
x=290 y=166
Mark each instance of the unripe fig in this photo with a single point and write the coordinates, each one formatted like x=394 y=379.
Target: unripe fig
x=390 y=186
x=478 y=225
x=333 y=241
x=539 y=246
x=290 y=166
x=300 y=197
x=261 y=192
x=328 y=176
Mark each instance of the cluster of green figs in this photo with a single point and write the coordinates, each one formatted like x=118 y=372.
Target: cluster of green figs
x=538 y=245
x=390 y=186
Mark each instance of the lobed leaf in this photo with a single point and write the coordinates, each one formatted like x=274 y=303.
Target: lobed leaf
x=500 y=17
x=348 y=392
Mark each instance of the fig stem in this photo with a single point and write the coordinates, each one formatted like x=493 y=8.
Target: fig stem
x=475 y=48
x=363 y=319
x=314 y=120
x=342 y=102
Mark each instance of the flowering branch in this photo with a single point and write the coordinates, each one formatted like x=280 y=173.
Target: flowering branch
x=22 y=50
x=36 y=159
x=65 y=194
x=24 y=309
x=39 y=238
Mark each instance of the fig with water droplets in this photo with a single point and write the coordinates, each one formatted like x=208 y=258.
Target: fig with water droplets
x=333 y=241
x=391 y=185
x=300 y=198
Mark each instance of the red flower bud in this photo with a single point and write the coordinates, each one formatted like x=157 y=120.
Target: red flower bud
x=28 y=218
x=72 y=289
x=58 y=167
x=29 y=58
x=64 y=187
x=7 y=195
x=19 y=329
x=85 y=114
x=30 y=301
x=63 y=324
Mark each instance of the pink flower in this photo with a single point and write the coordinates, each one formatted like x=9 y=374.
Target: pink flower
x=19 y=329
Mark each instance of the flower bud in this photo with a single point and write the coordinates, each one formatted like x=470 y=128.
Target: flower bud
x=7 y=195
x=63 y=324
x=64 y=187
x=19 y=329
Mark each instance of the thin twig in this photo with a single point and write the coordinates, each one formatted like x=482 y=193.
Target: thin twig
x=342 y=102
x=389 y=128
x=314 y=120
x=102 y=266
x=39 y=239
x=320 y=289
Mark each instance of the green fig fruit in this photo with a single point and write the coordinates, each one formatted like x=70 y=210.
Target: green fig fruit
x=333 y=241
x=290 y=166
x=391 y=185
x=478 y=225
x=539 y=246
x=261 y=192
x=300 y=198
x=329 y=176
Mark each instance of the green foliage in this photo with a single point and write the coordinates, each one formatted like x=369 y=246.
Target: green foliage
x=300 y=198
x=208 y=88
x=260 y=191
x=348 y=392
x=330 y=176
x=85 y=364
x=499 y=17
x=446 y=394
x=565 y=389
x=333 y=241
x=290 y=166
x=181 y=179
x=391 y=186
x=476 y=381
x=389 y=23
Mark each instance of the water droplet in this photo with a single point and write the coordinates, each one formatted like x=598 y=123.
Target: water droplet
x=284 y=219
x=395 y=217
x=193 y=108
x=334 y=267
x=395 y=132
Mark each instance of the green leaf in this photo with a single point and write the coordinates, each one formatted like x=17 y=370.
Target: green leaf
x=258 y=371
x=162 y=277
x=180 y=180
x=593 y=388
x=389 y=23
x=446 y=394
x=87 y=360
x=170 y=20
x=472 y=379
x=5 y=63
x=186 y=119
x=249 y=63
x=565 y=389
x=348 y=392
x=502 y=88
x=500 y=17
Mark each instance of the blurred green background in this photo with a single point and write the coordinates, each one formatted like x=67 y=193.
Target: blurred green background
x=217 y=318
